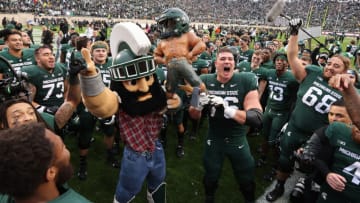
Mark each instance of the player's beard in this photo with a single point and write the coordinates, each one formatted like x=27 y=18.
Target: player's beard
x=65 y=173
x=133 y=107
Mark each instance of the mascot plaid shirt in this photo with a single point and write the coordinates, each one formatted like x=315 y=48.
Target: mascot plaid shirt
x=140 y=132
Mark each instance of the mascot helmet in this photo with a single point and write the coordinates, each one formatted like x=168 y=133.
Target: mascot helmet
x=129 y=46
x=173 y=22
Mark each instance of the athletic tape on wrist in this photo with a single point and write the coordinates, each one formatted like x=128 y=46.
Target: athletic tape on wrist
x=229 y=112
x=40 y=109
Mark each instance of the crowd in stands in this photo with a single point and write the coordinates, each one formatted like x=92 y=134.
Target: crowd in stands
x=338 y=15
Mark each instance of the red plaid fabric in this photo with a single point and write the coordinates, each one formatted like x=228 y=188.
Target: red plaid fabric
x=140 y=132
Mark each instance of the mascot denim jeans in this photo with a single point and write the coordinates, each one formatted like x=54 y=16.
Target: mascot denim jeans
x=138 y=166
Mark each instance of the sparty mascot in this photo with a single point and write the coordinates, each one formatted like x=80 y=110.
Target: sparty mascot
x=138 y=100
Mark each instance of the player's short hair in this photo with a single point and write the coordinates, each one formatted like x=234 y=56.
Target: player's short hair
x=99 y=44
x=25 y=156
x=339 y=102
x=354 y=73
x=257 y=52
x=8 y=32
x=224 y=50
x=245 y=38
x=81 y=42
x=45 y=46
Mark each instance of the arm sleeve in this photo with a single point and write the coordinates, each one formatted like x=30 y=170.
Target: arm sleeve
x=323 y=154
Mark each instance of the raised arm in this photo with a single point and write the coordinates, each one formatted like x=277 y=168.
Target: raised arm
x=343 y=83
x=72 y=97
x=98 y=99
x=296 y=66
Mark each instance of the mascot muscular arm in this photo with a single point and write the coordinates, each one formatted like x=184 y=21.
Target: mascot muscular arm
x=98 y=99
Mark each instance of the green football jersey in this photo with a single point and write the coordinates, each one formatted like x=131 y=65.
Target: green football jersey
x=27 y=59
x=246 y=55
x=49 y=120
x=68 y=52
x=244 y=66
x=282 y=89
x=49 y=86
x=205 y=55
x=314 y=98
x=34 y=46
x=104 y=71
x=68 y=196
x=269 y=65
x=346 y=158
x=160 y=74
x=234 y=93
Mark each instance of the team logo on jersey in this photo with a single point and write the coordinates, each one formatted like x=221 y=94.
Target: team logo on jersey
x=324 y=195
x=208 y=142
x=340 y=142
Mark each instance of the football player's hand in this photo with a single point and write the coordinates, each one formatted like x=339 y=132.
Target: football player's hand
x=216 y=101
x=76 y=65
x=229 y=112
x=295 y=25
x=336 y=181
x=340 y=82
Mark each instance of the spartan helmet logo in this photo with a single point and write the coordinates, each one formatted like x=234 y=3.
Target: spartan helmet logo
x=173 y=22
x=129 y=46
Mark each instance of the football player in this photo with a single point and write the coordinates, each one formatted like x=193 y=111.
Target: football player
x=234 y=103
x=15 y=54
x=313 y=102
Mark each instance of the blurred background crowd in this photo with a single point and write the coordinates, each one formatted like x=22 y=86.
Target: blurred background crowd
x=330 y=15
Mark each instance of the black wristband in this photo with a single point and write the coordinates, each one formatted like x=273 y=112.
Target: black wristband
x=74 y=79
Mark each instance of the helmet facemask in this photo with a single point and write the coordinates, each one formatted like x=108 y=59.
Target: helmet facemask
x=173 y=22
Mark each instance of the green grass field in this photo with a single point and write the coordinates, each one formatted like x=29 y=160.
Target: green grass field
x=184 y=176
